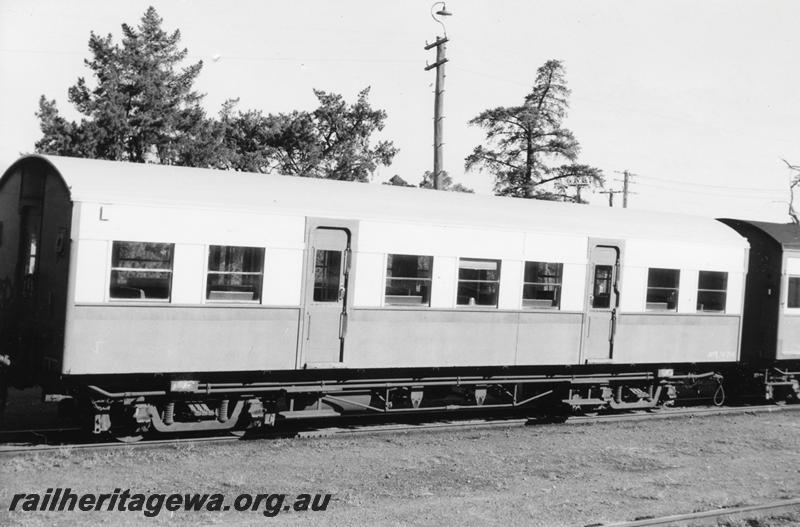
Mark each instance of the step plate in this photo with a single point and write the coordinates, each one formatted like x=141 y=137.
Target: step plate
x=308 y=414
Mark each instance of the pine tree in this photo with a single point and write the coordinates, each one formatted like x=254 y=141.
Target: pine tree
x=141 y=106
x=523 y=141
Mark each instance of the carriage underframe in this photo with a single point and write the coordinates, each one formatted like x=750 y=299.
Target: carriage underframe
x=181 y=405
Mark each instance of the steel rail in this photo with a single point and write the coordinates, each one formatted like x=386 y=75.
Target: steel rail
x=572 y=420
x=394 y=428
x=19 y=431
x=743 y=512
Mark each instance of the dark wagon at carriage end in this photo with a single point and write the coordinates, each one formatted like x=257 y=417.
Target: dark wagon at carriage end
x=771 y=325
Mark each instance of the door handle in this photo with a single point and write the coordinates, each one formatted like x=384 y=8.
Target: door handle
x=612 y=330
x=342 y=325
x=341 y=294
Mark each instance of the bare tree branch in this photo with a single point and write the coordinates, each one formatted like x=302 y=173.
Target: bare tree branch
x=792 y=185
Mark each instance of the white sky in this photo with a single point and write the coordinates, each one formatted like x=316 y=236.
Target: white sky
x=700 y=98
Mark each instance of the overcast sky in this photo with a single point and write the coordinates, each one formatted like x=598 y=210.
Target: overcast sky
x=701 y=99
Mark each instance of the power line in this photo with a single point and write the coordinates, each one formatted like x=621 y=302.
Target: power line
x=771 y=195
x=708 y=185
x=631 y=110
x=246 y=58
x=714 y=192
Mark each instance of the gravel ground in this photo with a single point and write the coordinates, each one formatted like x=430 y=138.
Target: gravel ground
x=549 y=475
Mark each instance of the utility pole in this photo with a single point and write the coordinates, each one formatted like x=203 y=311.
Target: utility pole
x=438 y=103
x=438 y=106
x=627 y=179
x=611 y=195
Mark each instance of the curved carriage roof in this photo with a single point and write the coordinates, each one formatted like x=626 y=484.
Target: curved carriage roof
x=148 y=184
x=787 y=235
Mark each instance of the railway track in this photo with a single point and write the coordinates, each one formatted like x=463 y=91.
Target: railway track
x=714 y=517
x=54 y=439
x=10 y=435
x=59 y=439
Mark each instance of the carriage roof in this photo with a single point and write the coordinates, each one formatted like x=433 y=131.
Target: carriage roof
x=115 y=182
x=787 y=235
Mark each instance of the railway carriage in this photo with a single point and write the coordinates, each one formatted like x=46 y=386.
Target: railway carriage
x=172 y=298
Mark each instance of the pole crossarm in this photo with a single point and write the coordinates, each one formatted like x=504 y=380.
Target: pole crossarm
x=436 y=64
x=439 y=41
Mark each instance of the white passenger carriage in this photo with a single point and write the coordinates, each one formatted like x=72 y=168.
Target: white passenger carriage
x=138 y=286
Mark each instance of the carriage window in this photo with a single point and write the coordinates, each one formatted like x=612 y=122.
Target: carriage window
x=327 y=275
x=662 y=289
x=478 y=282
x=794 y=292
x=408 y=280
x=33 y=244
x=542 y=285
x=234 y=273
x=141 y=270
x=601 y=290
x=711 y=291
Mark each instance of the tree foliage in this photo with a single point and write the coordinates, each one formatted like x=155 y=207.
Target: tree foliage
x=141 y=106
x=397 y=181
x=447 y=183
x=333 y=141
x=427 y=182
x=524 y=144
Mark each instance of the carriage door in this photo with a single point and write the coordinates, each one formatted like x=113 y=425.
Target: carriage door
x=326 y=296
x=602 y=301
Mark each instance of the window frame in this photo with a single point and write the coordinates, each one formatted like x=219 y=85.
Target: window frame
x=559 y=285
x=111 y=269
x=459 y=280
x=597 y=298
x=208 y=272
x=706 y=290
x=387 y=278
x=677 y=290
x=325 y=287
x=789 y=308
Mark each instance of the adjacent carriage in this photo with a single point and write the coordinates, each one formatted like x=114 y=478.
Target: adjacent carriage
x=771 y=331
x=172 y=298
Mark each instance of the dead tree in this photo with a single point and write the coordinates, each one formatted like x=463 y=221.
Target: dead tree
x=793 y=184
